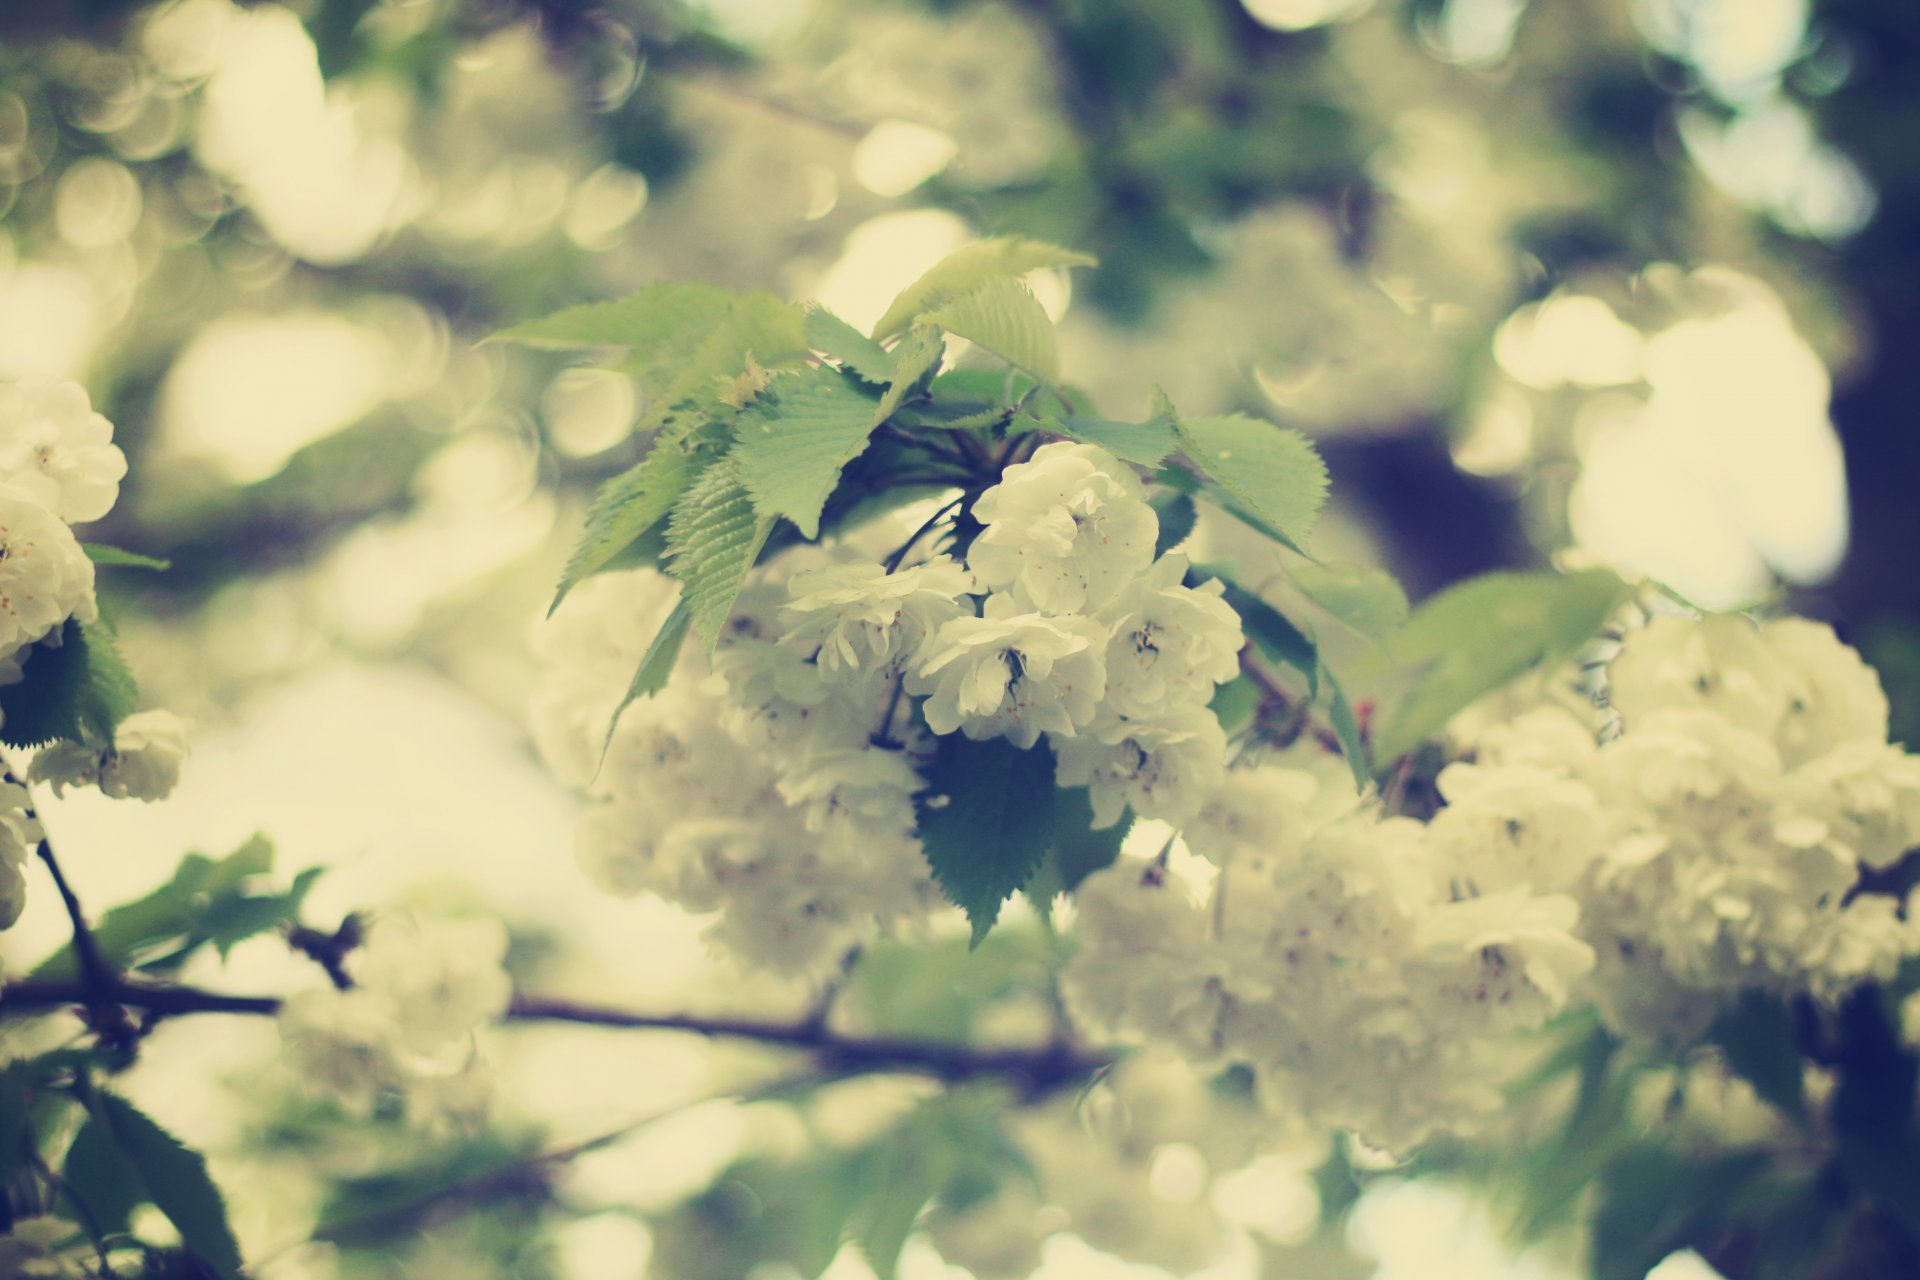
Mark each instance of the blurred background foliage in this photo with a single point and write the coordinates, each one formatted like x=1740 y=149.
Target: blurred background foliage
x=1628 y=281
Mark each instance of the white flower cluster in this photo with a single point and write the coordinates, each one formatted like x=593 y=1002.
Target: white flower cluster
x=1371 y=970
x=58 y=466
x=775 y=784
x=142 y=764
x=1084 y=636
x=764 y=786
x=1331 y=957
x=19 y=833
x=1716 y=842
x=406 y=1027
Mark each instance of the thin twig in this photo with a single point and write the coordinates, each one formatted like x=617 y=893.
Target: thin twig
x=1037 y=1070
x=94 y=969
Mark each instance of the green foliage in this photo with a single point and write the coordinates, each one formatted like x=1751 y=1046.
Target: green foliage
x=102 y=554
x=656 y=665
x=16 y=1079
x=986 y=821
x=380 y=1209
x=168 y=1175
x=1475 y=637
x=684 y=341
x=627 y=506
x=208 y=902
x=839 y=341
x=969 y=267
x=1277 y=638
x=1146 y=444
x=762 y=1211
x=1176 y=514
x=1757 y=1037
x=104 y=1187
x=662 y=322
x=1365 y=599
x=1346 y=727
x=954 y=1148
x=77 y=691
x=792 y=442
x=713 y=537
x=1652 y=1202
x=912 y=359
x=1235 y=703
x=1002 y=317
x=939 y=990
x=1875 y=1112
x=1078 y=849
x=1270 y=473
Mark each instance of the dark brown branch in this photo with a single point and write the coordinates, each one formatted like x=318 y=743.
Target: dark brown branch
x=1036 y=1070
x=95 y=972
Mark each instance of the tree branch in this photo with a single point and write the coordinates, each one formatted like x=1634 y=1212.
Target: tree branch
x=1035 y=1070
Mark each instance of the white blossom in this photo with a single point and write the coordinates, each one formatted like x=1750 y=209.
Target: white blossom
x=443 y=977
x=1516 y=824
x=142 y=764
x=1163 y=768
x=1064 y=531
x=1836 y=698
x=1171 y=644
x=1868 y=794
x=45 y=577
x=1255 y=815
x=1013 y=675
x=340 y=1044
x=1791 y=681
x=1508 y=958
x=57 y=451
x=19 y=834
x=421 y=990
x=858 y=620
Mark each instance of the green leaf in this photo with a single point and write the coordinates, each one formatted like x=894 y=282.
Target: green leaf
x=656 y=666
x=684 y=340
x=968 y=267
x=1271 y=472
x=713 y=537
x=1234 y=703
x=662 y=320
x=986 y=821
x=15 y=1109
x=1000 y=316
x=1757 y=1037
x=1875 y=1110
x=627 y=506
x=834 y=338
x=102 y=554
x=937 y=989
x=1346 y=727
x=1147 y=443
x=206 y=901
x=769 y=329
x=914 y=357
x=175 y=1180
x=79 y=690
x=792 y=442
x=1079 y=850
x=1278 y=639
x=1177 y=516
x=1480 y=634
x=105 y=1187
x=1653 y=1202
x=1363 y=598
